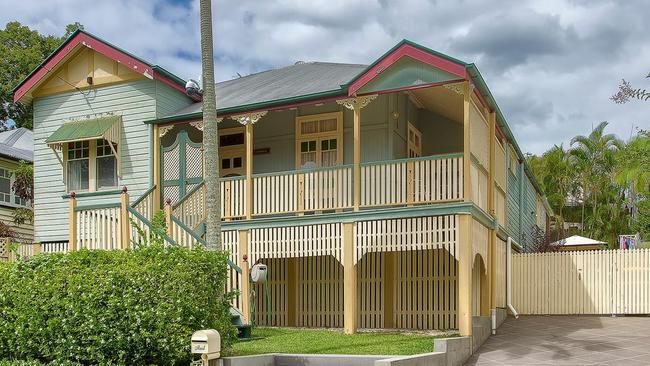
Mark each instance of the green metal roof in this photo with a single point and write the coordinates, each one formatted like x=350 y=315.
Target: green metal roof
x=82 y=130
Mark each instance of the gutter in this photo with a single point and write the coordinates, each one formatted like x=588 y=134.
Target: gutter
x=510 y=243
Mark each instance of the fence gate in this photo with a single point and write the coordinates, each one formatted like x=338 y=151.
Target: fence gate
x=593 y=282
x=182 y=167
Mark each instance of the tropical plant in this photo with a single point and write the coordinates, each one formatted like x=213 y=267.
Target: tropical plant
x=594 y=160
x=210 y=132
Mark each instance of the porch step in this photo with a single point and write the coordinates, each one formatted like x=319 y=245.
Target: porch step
x=243 y=330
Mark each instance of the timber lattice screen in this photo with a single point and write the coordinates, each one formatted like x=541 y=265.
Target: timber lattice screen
x=277 y=287
x=589 y=282
x=320 y=292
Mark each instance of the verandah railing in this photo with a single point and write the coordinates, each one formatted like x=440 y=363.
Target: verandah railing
x=413 y=181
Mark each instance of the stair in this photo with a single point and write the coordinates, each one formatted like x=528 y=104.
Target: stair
x=243 y=330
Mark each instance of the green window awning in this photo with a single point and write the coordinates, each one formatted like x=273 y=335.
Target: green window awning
x=105 y=127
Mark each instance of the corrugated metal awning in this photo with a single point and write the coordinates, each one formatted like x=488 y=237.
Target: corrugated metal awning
x=104 y=127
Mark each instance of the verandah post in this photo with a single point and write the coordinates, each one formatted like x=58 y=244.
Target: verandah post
x=349 y=279
x=465 y=275
x=125 y=235
x=72 y=222
x=491 y=262
x=245 y=275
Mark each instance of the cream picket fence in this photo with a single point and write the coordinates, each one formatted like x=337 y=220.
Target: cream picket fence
x=584 y=282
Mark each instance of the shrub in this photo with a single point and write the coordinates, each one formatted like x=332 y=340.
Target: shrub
x=135 y=307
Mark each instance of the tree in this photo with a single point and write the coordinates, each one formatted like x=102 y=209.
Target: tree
x=210 y=132
x=594 y=159
x=555 y=173
x=626 y=92
x=22 y=50
x=634 y=163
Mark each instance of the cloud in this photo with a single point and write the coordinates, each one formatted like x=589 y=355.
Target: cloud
x=551 y=65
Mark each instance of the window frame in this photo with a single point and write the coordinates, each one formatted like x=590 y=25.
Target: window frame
x=12 y=195
x=92 y=166
x=410 y=145
x=319 y=137
x=232 y=151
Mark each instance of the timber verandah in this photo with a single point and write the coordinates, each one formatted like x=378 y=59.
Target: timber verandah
x=403 y=243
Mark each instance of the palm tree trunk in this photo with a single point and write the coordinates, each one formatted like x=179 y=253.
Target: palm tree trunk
x=210 y=141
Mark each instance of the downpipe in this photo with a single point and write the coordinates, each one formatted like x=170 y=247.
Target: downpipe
x=509 y=278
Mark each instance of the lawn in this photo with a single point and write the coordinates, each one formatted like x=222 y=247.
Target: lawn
x=283 y=340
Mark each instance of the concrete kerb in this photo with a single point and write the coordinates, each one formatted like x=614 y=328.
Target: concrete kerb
x=450 y=352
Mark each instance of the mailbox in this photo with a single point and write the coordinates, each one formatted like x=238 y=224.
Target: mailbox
x=206 y=343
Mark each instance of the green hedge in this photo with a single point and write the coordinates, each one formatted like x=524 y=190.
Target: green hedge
x=112 y=307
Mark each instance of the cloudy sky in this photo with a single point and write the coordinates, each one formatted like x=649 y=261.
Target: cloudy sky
x=552 y=65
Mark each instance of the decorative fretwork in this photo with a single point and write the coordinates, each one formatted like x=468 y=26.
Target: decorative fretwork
x=358 y=102
x=459 y=88
x=162 y=131
x=247 y=118
x=199 y=124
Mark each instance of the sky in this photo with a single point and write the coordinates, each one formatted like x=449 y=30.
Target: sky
x=552 y=65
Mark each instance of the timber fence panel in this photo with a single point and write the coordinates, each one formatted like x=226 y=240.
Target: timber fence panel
x=582 y=282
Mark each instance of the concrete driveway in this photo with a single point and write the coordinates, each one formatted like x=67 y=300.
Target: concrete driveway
x=568 y=340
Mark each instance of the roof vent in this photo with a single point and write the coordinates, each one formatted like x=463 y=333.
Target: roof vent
x=300 y=62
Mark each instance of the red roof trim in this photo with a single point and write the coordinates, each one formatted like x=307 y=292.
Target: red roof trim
x=99 y=46
x=410 y=51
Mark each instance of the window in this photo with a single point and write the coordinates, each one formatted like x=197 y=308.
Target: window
x=78 y=166
x=5 y=186
x=7 y=196
x=106 y=165
x=319 y=140
x=91 y=165
x=414 y=142
x=232 y=151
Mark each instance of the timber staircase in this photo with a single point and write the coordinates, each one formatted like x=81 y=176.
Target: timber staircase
x=186 y=226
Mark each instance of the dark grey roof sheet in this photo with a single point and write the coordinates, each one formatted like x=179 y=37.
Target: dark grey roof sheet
x=17 y=144
x=303 y=78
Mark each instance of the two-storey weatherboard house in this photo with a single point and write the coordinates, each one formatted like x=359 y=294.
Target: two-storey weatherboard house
x=379 y=196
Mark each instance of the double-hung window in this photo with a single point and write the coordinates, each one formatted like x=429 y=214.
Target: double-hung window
x=319 y=140
x=91 y=165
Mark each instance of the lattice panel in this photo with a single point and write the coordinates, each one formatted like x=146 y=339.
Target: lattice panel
x=172 y=193
x=4 y=249
x=320 y=292
x=172 y=161
x=296 y=241
x=194 y=161
x=277 y=286
x=480 y=240
x=415 y=233
x=425 y=290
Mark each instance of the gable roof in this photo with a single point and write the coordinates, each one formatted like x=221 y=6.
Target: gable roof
x=83 y=38
x=17 y=144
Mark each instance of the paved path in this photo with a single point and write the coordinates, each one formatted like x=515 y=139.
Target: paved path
x=568 y=340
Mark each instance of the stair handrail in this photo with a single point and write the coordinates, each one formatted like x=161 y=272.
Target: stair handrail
x=143 y=196
x=188 y=195
x=200 y=240
x=146 y=222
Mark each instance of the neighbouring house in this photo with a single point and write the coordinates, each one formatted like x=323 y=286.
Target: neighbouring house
x=577 y=242
x=16 y=145
x=379 y=196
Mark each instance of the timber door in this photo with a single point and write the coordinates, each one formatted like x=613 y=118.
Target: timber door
x=182 y=167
